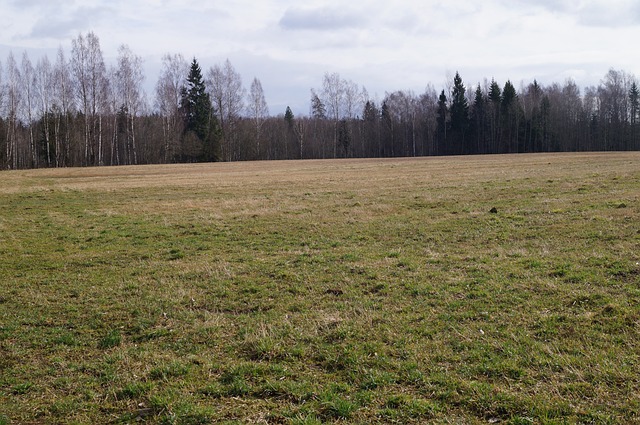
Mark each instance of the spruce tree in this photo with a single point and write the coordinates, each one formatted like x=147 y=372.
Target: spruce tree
x=200 y=124
x=318 y=109
x=510 y=118
x=495 y=98
x=370 y=112
x=478 y=120
x=459 y=115
x=387 y=130
x=441 y=121
x=288 y=117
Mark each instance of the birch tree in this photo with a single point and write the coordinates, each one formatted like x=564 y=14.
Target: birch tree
x=27 y=80
x=89 y=72
x=13 y=95
x=63 y=104
x=353 y=99
x=44 y=91
x=128 y=87
x=257 y=110
x=168 y=97
x=333 y=94
x=227 y=95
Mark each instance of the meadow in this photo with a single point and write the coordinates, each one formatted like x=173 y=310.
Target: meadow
x=460 y=290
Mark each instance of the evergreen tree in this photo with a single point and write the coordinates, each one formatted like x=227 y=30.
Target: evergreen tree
x=371 y=118
x=459 y=116
x=533 y=134
x=201 y=128
x=288 y=117
x=511 y=117
x=478 y=121
x=495 y=99
x=370 y=112
x=318 y=110
x=441 y=121
x=387 y=131
x=344 y=138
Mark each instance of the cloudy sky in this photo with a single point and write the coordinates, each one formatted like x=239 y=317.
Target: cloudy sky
x=382 y=45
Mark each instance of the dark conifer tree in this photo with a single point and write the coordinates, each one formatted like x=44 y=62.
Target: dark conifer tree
x=459 y=116
x=344 y=138
x=495 y=98
x=288 y=117
x=318 y=110
x=201 y=129
x=510 y=118
x=533 y=133
x=196 y=103
x=371 y=118
x=441 y=121
x=477 y=122
x=387 y=131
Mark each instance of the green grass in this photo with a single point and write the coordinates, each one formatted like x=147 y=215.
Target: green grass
x=308 y=292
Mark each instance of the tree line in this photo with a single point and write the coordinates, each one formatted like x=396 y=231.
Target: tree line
x=76 y=111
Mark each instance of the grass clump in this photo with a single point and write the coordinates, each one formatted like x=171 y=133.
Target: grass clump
x=110 y=340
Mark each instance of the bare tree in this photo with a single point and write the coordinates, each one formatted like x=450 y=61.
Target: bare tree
x=63 y=105
x=257 y=110
x=44 y=87
x=333 y=95
x=168 y=97
x=227 y=94
x=428 y=107
x=591 y=107
x=333 y=98
x=613 y=102
x=27 y=74
x=353 y=99
x=128 y=87
x=403 y=108
x=13 y=94
x=571 y=112
x=91 y=88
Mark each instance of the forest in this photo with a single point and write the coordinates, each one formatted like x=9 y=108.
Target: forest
x=75 y=110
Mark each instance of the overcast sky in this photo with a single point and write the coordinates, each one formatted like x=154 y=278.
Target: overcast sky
x=380 y=44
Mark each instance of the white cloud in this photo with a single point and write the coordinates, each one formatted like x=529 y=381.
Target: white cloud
x=383 y=45
x=323 y=18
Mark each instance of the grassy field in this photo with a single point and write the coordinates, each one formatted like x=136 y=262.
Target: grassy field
x=469 y=290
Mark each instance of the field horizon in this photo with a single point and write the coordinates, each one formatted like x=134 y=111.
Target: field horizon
x=472 y=289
